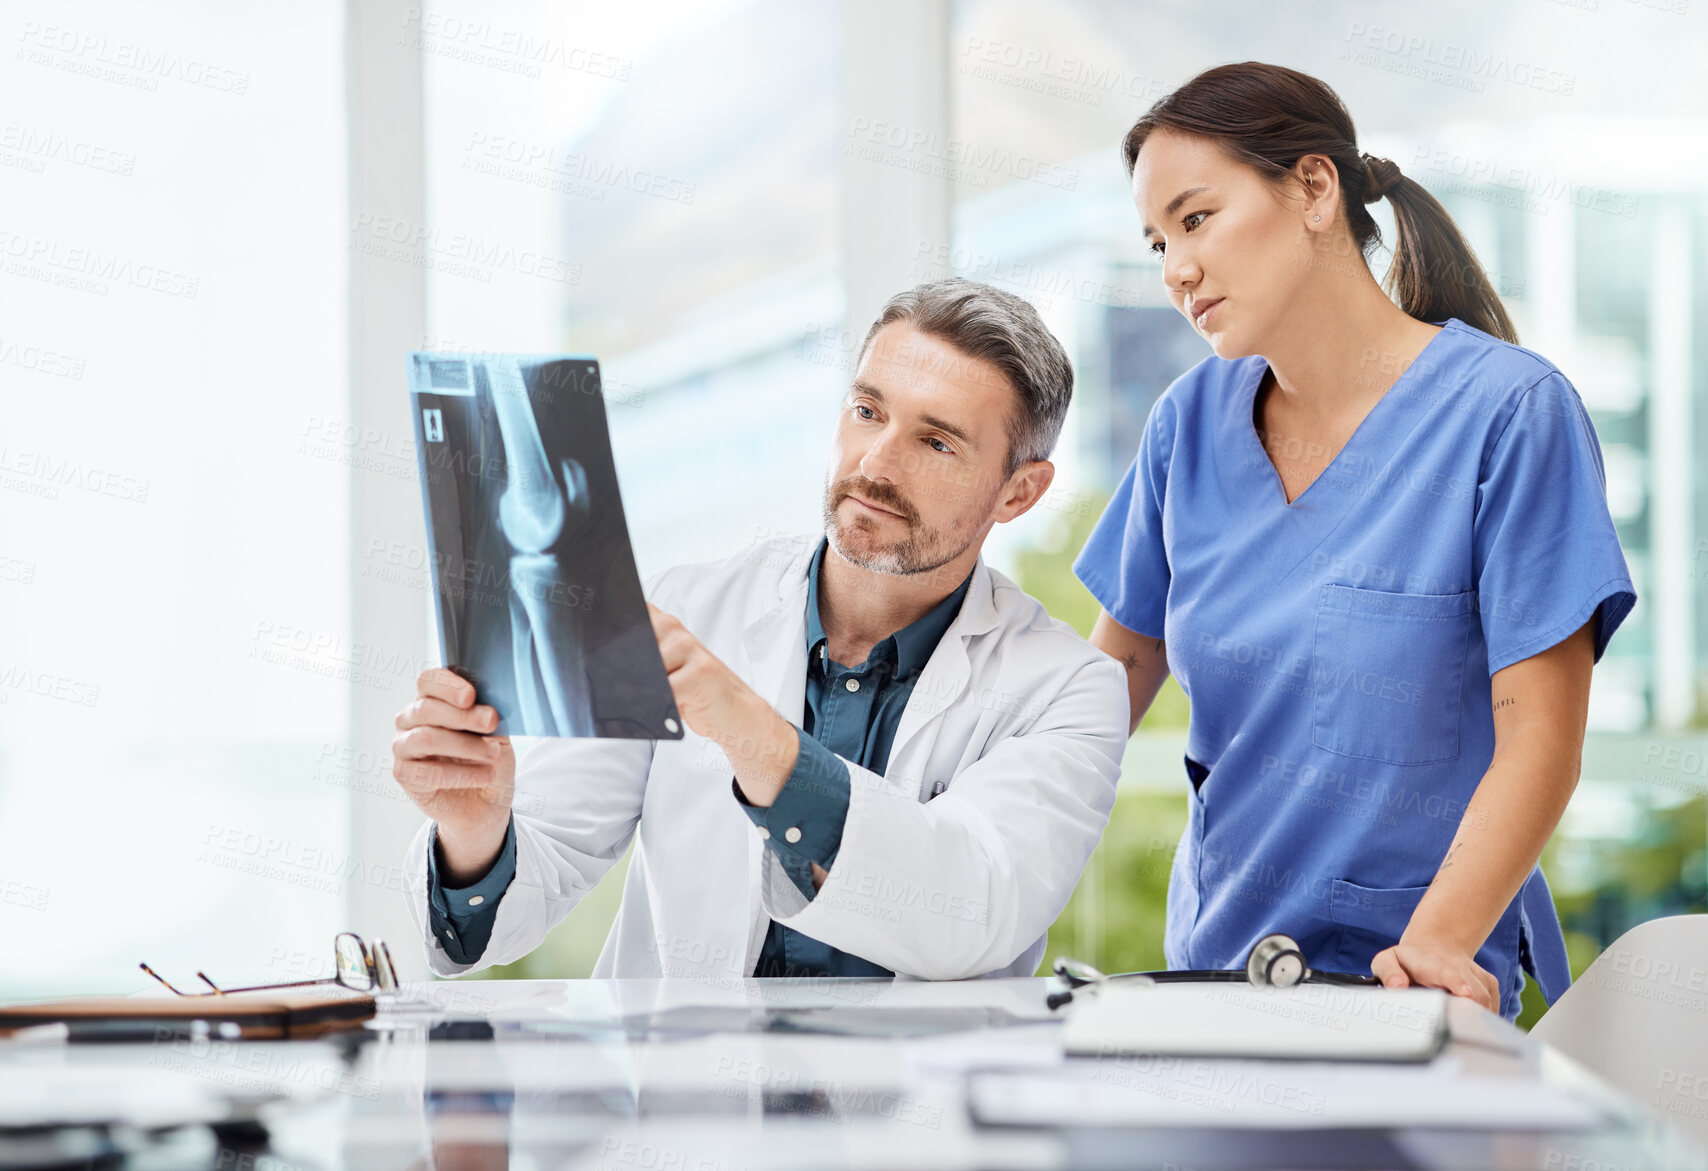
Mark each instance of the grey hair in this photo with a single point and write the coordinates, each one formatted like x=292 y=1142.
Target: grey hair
x=988 y=324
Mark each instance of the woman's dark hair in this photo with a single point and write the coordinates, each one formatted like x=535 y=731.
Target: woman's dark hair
x=1270 y=117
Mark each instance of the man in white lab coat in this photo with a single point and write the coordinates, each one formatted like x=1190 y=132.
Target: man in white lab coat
x=895 y=760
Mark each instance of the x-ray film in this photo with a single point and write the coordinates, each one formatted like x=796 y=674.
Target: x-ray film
x=538 y=601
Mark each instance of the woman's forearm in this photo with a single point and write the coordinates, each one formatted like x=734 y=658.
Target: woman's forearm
x=1506 y=823
x=1541 y=705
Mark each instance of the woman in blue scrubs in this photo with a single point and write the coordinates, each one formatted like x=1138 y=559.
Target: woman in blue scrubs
x=1372 y=542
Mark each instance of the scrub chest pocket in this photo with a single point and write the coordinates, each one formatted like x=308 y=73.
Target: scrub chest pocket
x=1387 y=670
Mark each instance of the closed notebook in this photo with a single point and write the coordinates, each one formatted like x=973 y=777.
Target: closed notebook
x=268 y=1014
x=1310 y=1021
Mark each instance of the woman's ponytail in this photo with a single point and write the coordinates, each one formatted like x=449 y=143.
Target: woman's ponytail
x=1270 y=117
x=1434 y=275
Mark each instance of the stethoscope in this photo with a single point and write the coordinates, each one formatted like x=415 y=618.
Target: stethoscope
x=1275 y=962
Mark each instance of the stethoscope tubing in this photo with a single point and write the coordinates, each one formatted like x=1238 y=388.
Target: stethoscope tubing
x=1259 y=972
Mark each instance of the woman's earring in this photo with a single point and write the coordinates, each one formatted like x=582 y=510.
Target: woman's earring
x=1315 y=218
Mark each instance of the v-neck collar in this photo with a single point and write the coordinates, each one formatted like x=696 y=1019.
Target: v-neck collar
x=1250 y=400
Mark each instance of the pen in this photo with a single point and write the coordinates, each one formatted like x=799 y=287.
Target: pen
x=153 y=1032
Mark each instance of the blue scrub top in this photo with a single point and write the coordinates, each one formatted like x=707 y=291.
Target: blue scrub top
x=1338 y=651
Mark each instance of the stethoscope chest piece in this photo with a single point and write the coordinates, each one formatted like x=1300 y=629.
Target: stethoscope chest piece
x=1275 y=962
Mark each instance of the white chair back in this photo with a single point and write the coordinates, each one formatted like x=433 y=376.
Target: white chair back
x=1638 y=1018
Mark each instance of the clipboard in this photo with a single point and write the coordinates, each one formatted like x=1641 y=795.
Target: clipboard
x=266 y=1015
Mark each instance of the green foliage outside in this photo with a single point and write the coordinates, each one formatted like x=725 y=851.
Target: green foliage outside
x=1047 y=574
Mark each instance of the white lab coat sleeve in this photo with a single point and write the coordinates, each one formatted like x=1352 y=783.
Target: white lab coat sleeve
x=576 y=808
x=963 y=884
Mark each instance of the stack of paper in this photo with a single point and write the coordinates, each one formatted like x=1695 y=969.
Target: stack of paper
x=1272 y=1095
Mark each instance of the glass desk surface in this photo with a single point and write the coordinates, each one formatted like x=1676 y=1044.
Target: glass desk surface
x=691 y=1075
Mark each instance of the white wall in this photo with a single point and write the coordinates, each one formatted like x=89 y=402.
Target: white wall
x=172 y=488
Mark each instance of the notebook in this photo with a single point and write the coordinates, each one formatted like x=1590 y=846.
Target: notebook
x=1309 y=1021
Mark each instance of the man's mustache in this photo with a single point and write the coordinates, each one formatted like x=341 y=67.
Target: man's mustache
x=882 y=495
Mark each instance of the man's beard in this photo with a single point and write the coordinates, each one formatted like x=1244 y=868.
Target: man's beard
x=921 y=550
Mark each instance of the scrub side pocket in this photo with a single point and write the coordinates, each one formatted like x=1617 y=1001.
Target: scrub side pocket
x=1387 y=670
x=1185 y=877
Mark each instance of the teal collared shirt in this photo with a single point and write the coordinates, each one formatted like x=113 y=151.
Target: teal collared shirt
x=851 y=714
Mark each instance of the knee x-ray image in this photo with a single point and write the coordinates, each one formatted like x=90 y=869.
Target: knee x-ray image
x=539 y=604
